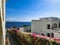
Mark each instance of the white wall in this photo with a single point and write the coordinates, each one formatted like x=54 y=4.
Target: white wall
x=21 y=29
x=56 y=35
x=40 y=26
x=24 y=28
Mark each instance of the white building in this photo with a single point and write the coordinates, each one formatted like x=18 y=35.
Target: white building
x=25 y=29
x=49 y=26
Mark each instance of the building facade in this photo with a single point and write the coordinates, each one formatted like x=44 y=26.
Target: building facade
x=47 y=26
x=25 y=28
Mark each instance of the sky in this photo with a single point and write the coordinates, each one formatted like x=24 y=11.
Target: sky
x=27 y=10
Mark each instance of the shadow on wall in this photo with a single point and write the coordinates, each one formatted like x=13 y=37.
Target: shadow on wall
x=0 y=30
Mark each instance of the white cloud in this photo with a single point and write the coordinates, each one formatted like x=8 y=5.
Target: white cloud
x=11 y=19
x=17 y=19
x=47 y=4
x=53 y=1
x=51 y=5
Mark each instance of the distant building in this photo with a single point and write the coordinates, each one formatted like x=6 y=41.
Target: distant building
x=49 y=26
x=25 y=28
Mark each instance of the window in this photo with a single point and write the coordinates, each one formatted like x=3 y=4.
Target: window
x=42 y=34
x=52 y=35
x=48 y=34
x=54 y=26
x=48 y=26
x=59 y=25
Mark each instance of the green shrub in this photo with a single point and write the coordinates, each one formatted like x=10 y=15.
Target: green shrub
x=26 y=39
x=53 y=42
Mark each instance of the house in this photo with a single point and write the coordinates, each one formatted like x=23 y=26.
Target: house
x=25 y=28
x=48 y=26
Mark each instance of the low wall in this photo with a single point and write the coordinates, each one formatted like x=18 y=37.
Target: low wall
x=32 y=39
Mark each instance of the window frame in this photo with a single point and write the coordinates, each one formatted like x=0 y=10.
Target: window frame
x=48 y=26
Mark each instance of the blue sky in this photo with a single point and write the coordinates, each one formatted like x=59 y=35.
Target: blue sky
x=27 y=10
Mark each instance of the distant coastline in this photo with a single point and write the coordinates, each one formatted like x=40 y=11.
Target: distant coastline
x=17 y=24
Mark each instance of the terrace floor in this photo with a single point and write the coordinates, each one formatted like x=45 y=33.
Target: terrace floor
x=12 y=40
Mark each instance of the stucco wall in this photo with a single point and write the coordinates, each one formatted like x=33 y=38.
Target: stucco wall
x=40 y=26
x=57 y=35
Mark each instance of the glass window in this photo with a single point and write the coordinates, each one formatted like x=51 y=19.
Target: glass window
x=59 y=25
x=48 y=26
x=54 y=26
x=52 y=35
x=42 y=34
x=48 y=34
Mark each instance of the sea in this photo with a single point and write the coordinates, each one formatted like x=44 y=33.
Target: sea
x=17 y=24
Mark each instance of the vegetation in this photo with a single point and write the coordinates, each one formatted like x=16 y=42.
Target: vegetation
x=28 y=39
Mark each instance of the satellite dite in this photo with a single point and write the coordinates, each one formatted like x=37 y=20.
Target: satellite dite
x=2 y=22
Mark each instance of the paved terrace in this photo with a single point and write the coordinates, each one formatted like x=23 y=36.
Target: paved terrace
x=12 y=40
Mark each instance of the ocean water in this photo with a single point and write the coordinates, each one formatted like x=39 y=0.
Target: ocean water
x=17 y=24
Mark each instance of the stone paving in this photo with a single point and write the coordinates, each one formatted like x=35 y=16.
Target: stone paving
x=12 y=40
